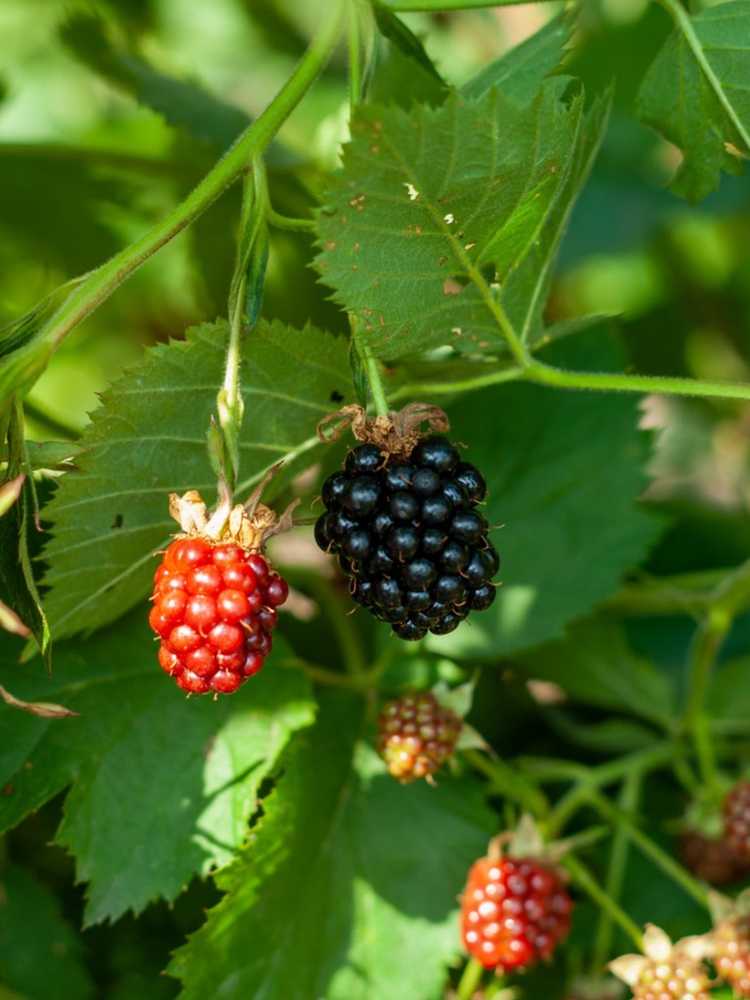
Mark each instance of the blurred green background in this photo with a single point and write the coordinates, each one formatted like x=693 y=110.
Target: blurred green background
x=87 y=162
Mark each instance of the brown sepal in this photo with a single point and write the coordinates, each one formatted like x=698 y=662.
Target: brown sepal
x=396 y=434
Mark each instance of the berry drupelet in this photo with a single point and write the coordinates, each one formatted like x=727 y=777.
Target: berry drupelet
x=215 y=599
x=514 y=912
x=667 y=971
x=737 y=820
x=731 y=940
x=408 y=535
x=416 y=735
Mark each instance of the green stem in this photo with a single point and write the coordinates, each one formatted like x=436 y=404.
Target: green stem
x=100 y=284
x=280 y=221
x=543 y=374
x=583 y=878
x=372 y=371
x=470 y=980
x=728 y=599
x=507 y=781
x=98 y=157
x=322 y=676
x=629 y=798
x=661 y=859
x=685 y=25
x=431 y=389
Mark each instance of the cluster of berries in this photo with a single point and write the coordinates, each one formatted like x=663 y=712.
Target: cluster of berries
x=214 y=609
x=409 y=537
x=416 y=735
x=514 y=912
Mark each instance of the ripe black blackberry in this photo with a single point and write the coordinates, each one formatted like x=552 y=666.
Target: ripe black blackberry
x=402 y=518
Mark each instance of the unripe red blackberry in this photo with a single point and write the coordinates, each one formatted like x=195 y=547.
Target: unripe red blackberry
x=416 y=735
x=214 y=602
x=514 y=912
x=711 y=859
x=402 y=518
x=737 y=819
x=731 y=940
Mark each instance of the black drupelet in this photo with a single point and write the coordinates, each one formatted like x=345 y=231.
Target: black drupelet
x=409 y=537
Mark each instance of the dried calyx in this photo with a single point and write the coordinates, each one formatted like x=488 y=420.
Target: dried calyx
x=395 y=434
x=249 y=525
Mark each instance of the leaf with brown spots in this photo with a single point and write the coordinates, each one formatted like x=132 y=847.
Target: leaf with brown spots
x=439 y=206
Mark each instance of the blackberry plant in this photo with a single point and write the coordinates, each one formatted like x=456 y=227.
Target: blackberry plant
x=445 y=293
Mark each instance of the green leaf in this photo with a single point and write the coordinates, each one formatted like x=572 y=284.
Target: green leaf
x=527 y=288
x=595 y=666
x=394 y=29
x=519 y=73
x=564 y=493
x=181 y=103
x=432 y=205
x=342 y=882
x=163 y=786
x=697 y=95
x=149 y=438
x=41 y=955
x=729 y=694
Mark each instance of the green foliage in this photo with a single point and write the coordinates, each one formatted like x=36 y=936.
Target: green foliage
x=518 y=73
x=183 y=104
x=564 y=498
x=356 y=875
x=110 y=517
x=40 y=954
x=696 y=95
x=430 y=195
x=163 y=788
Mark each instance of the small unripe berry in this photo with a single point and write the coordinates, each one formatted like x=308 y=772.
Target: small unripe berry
x=737 y=819
x=731 y=941
x=416 y=735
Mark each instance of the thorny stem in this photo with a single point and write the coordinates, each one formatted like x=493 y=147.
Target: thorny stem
x=583 y=878
x=629 y=797
x=28 y=362
x=470 y=980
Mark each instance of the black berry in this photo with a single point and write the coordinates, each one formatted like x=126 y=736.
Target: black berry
x=405 y=531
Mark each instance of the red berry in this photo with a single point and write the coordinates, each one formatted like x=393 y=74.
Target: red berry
x=205 y=580
x=712 y=859
x=226 y=638
x=232 y=605
x=187 y=552
x=514 y=912
x=239 y=577
x=416 y=735
x=214 y=612
x=225 y=682
x=259 y=566
x=200 y=613
x=223 y=555
x=731 y=940
x=737 y=820
x=169 y=661
x=277 y=591
x=253 y=663
x=201 y=661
